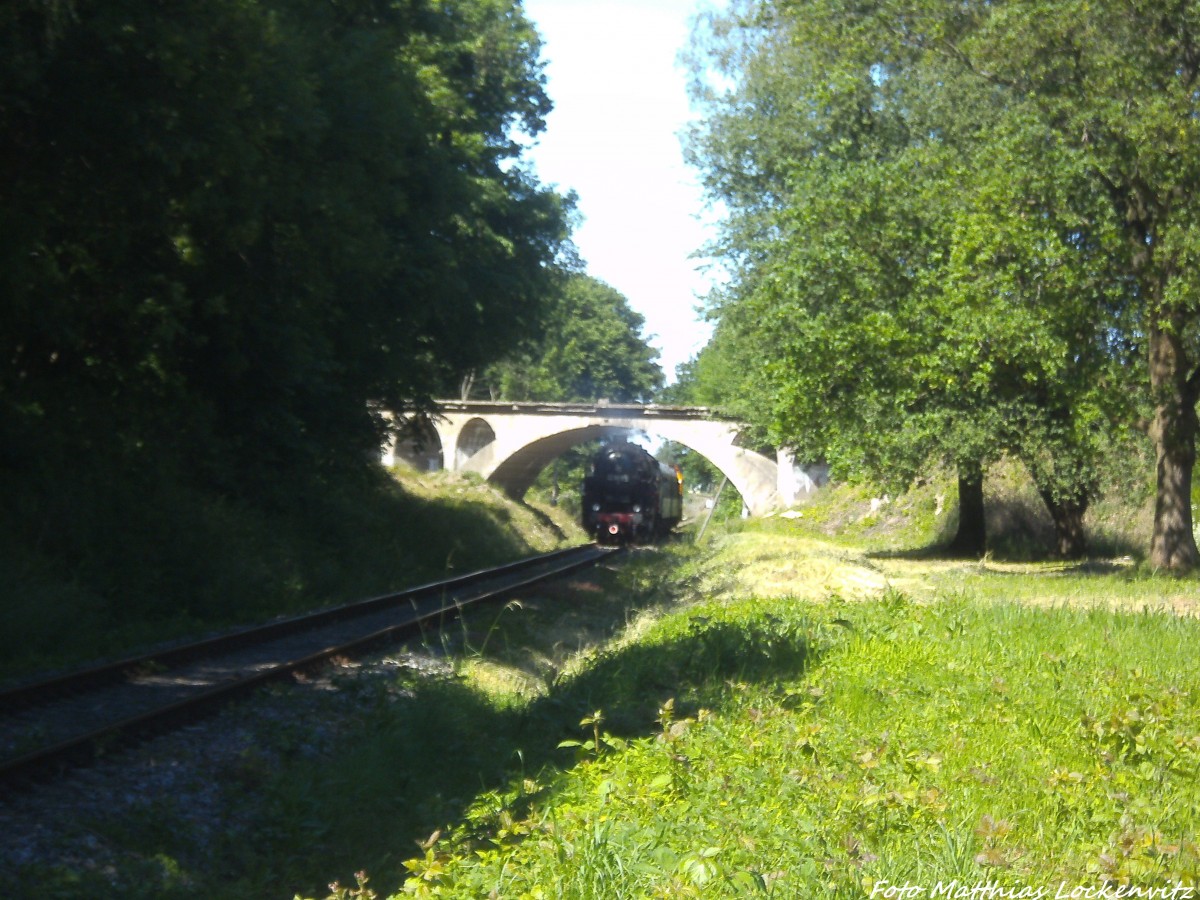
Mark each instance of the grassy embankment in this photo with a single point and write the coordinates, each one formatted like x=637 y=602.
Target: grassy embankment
x=106 y=567
x=816 y=720
x=809 y=750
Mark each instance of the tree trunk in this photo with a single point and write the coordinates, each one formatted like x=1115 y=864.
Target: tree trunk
x=971 y=539
x=1067 y=513
x=1173 y=545
x=1173 y=389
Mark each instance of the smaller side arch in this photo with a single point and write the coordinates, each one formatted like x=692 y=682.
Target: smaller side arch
x=417 y=444
x=475 y=435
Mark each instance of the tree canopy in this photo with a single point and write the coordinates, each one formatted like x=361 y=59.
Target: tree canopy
x=234 y=224
x=592 y=347
x=958 y=230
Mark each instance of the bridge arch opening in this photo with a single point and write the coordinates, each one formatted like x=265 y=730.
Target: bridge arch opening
x=417 y=444
x=518 y=473
x=475 y=435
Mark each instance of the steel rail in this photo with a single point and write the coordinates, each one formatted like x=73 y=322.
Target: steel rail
x=30 y=694
x=82 y=748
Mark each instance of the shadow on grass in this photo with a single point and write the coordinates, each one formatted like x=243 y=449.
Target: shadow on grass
x=1019 y=529
x=446 y=744
x=545 y=520
x=1101 y=562
x=929 y=552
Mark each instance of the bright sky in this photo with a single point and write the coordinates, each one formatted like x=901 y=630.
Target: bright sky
x=620 y=103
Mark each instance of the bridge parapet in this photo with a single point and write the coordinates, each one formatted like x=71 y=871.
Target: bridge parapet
x=631 y=411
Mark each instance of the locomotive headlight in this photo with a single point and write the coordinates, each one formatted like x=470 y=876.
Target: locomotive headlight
x=595 y=507
x=636 y=508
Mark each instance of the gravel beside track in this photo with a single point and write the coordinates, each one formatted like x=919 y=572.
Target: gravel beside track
x=145 y=690
x=202 y=777
x=197 y=777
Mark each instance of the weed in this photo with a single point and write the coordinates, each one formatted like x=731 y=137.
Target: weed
x=599 y=742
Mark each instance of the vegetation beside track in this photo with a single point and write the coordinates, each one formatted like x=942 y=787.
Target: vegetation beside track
x=111 y=568
x=781 y=711
x=926 y=743
x=791 y=712
x=1023 y=724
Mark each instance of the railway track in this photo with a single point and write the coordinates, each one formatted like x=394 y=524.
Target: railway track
x=51 y=725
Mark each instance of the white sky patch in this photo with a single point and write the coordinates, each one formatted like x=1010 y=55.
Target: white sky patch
x=620 y=103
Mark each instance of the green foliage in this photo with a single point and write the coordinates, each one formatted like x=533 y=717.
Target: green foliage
x=921 y=516
x=267 y=214
x=721 y=376
x=698 y=472
x=592 y=348
x=598 y=742
x=931 y=742
x=359 y=892
x=229 y=235
x=922 y=274
x=688 y=656
x=102 y=570
x=561 y=482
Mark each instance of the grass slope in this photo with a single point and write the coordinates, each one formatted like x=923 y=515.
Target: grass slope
x=885 y=722
x=138 y=561
x=925 y=743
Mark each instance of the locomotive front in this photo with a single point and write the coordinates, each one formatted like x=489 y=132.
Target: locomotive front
x=623 y=496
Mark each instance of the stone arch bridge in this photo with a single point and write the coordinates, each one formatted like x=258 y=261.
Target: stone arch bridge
x=510 y=443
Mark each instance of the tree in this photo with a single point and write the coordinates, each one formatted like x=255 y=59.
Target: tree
x=232 y=226
x=590 y=347
x=1114 y=85
x=923 y=275
x=714 y=377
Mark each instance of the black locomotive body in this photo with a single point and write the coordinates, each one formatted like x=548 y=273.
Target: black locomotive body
x=630 y=497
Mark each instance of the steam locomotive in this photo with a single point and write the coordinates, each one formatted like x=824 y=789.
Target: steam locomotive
x=630 y=497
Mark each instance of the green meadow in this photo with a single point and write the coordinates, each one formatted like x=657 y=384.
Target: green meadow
x=983 y=728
